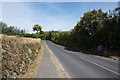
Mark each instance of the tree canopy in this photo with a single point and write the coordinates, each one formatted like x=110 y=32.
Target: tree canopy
x=37 y=28
x=10 y=29
x=94 y=28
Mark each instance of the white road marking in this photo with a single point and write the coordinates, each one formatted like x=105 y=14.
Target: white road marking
x=100 y=66
x=105 y=58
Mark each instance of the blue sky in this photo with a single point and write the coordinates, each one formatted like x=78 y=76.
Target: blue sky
x=50 y=15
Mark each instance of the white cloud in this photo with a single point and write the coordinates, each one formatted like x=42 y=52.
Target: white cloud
x=55 y=7
x=60 y=0
x=54 y=22
x=22 y=15
x=17 y=14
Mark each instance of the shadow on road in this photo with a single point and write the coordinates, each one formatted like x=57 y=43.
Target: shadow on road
x=70 y=49
x=83 y=52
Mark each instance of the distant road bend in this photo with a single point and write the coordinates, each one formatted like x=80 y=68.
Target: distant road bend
x=80 y=65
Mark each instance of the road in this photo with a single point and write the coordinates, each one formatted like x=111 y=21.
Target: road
x=81 y=65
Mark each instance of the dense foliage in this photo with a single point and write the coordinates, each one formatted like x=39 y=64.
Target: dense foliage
x=33 y=35
x=95 y=28
x=11 y=30
x=37 y=28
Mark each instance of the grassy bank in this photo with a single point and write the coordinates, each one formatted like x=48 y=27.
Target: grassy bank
x=18 y=54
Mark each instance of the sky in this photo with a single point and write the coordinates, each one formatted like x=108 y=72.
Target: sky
x=59 y=0
x=50 y=15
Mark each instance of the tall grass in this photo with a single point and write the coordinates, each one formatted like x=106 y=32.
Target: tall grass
x=18 y=54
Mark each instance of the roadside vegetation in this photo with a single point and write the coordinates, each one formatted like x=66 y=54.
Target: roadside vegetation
x=18 y=54
x=97 y=33
x=96 y=28
x=12 y=30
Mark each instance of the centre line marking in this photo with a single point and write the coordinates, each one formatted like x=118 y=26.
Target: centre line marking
x=100 y=66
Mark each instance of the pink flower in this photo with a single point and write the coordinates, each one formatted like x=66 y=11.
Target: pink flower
x=100 y=48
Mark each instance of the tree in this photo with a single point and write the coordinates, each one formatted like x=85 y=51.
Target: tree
x=11 y=29
x=3 y=27
x=92 y=20
x=37 y=28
